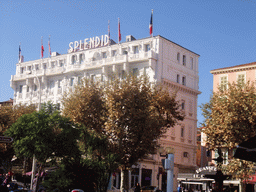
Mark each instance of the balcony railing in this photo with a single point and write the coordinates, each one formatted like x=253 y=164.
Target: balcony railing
x=84 y=64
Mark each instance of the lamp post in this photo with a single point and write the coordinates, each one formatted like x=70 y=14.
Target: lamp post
x=168 y=165
x=34 y=158
x=160 y=151
x=218 y=177
x=170 y=157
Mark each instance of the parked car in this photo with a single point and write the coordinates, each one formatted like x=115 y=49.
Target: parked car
x=150 y=189
x=77 y=190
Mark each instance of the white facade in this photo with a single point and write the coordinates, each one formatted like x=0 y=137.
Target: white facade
x=163 y=60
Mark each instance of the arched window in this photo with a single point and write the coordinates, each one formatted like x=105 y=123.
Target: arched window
x=81 y=58
x=73 y=59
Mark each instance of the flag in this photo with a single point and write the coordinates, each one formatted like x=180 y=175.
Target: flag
x=19 y=54
x=151 y=24
x=119 y=31
x=108 y=30
x=42 y=48
x=50 y=52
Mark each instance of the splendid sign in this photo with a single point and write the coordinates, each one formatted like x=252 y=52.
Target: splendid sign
x=89 y=43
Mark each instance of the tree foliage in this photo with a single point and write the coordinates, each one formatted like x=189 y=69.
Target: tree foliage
x=91 y=172
x=230 y=118
x=9 y=115
x=133 y=113
x=43 y=135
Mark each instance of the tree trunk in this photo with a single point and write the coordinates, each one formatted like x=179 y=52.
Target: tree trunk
x=124 y=180
x=38 y=178
x=242 y=186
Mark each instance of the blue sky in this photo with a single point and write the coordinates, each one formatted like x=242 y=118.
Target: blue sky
x=223 y=33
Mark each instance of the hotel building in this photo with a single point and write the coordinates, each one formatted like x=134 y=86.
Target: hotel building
x=162 y=60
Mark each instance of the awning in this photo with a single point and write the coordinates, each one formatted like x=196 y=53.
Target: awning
x=251 y=179
x=191 y=183
x=247 y=150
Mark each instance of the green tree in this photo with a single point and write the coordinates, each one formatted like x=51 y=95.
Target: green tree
x=133 y=113
x=91 y=172
x=9 y=115
x=45 y=135
x=230 y=118
x=99 y=156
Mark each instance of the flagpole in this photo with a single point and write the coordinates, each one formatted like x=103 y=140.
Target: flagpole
x=109 y=32
x=19 y=54
x=41 y=47
x=49 y=47
x=152 y=22
x=119 y=31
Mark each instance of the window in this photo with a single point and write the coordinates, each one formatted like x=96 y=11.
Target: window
x=178 y=78
x=37 y=67
x=190 y=132
x=53 y=64
x=104 y=54
x=178 y=57
x=61 y=63
x=183 y=80
x=135 y=49
x=224 y=153
x=21 y=87
x=191 y=63
x=35 y=87
x=183 y=105
x=73 y=59
x=124 y=51
x=182 y=131
x=122 y=74
x=147 y=47
x=27 y=88
x=71 y=81
x=81 y=58
x=135 y=71
x=22 y=70
x=114 y=53
x=59 y=84
x=184 y=60
x=29 y=68
x=79 y=80
x=45 y=66
x=185 y=154
x=223 y=82
x=241 y=79
x=51 y=84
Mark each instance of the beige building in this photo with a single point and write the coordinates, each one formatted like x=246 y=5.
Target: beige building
x=238 y=73
x=162 y=60
x=221 y=78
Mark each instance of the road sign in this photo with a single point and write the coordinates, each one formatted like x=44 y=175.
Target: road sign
x=5 y=139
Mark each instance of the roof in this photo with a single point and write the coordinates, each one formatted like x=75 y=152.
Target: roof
x=178 y=44
x=252 y=64
x=7 y=102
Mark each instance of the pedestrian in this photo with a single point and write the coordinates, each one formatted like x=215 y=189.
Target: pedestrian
x=179 y=188
x=137 y=188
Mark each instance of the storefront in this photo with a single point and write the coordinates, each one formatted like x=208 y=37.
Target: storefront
x=194 y=182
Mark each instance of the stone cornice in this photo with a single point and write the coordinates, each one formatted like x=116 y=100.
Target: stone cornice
x=180 y=87
x=244 y=67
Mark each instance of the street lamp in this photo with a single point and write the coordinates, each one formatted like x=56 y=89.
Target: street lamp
x=168 y=165
x=39 y=108
x=170 y=157
x=218 y=177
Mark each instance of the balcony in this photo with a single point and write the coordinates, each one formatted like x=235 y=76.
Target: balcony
x=88 y=63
